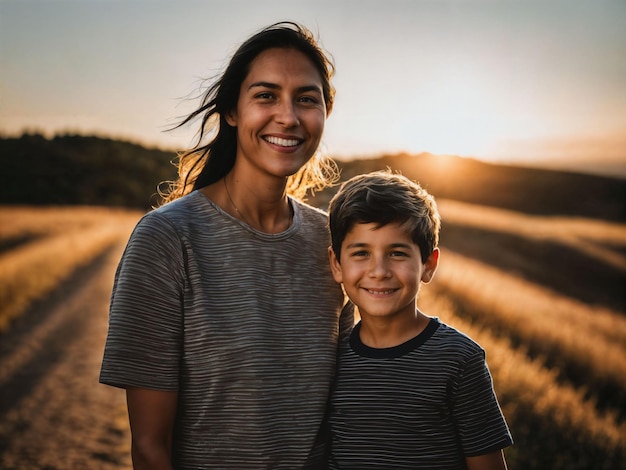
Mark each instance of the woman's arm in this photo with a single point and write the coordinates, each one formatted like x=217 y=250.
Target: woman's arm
x=492 y=461
x=151 y=414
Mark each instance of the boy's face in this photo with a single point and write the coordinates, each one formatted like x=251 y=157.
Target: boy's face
x=381 y=269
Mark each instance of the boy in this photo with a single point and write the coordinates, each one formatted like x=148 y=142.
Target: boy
x=411 y=392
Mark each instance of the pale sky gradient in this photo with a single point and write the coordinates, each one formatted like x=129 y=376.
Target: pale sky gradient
x=532 y=81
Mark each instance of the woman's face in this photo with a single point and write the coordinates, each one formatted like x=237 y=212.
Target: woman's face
x=280 y=113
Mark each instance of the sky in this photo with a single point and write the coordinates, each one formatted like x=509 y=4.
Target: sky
x=531 y=82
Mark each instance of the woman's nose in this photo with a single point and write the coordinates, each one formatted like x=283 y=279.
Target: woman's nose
x=287 y=114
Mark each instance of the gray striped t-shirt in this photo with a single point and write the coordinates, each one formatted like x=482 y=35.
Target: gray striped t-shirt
x=243 y=324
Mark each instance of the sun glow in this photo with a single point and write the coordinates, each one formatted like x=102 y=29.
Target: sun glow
x=464 y=113
x=455 y=108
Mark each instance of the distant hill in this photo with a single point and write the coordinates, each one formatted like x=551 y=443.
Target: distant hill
x=72 y=169
x=529 y=190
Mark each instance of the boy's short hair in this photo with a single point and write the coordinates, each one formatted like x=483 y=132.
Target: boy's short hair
x=383 y=197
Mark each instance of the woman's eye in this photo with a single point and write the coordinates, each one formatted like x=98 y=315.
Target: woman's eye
x=266 y=95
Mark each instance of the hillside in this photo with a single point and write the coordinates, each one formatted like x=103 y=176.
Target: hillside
x=528 y=190
x=81 y=170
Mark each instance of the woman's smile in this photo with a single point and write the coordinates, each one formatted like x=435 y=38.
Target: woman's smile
x=280 y=112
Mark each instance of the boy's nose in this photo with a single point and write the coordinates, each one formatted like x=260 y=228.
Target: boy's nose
x=379 y=268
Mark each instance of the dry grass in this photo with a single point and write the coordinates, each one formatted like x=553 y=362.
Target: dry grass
x=565 y=406
x=525 y=385
x=598 y=239
x=590 y=338
x=509 y=316
x=62 y=241
x=25 y=222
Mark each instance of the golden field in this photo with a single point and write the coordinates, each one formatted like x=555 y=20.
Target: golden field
x=509 y=280
x=40 y=248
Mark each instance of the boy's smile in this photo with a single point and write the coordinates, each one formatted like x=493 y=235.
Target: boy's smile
x=381 y=270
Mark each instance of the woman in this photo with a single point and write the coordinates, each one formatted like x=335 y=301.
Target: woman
x=224 y=316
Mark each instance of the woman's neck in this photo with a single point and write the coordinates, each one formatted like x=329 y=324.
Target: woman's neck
x=263 y=207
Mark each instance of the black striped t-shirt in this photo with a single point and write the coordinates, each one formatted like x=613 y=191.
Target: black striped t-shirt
x=425 y=404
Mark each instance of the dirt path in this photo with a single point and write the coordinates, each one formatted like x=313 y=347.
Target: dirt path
x=53 y=412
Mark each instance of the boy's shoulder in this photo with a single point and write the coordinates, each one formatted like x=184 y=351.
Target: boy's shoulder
x=449 y=337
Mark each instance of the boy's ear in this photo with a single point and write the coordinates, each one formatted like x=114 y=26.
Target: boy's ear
x=335 y=267
x=430 y=266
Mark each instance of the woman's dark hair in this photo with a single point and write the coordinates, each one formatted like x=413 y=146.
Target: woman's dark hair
x=206 y=163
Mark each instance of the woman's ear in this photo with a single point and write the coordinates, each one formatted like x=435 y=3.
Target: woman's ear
x=335 y=266
x=231 y=118
x=430 y=266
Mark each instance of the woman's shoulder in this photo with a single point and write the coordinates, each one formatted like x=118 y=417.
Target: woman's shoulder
x=189 y=202
x=309 y=212
x=178 y=214
x=181 y=209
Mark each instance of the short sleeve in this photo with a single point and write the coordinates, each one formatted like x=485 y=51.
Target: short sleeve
x=143 y=345
x=480 y=423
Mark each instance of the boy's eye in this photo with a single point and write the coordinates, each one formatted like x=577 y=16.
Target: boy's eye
x=358 y=253
x=398 y=254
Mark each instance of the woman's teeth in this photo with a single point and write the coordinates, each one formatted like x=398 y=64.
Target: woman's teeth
x=282 y=142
